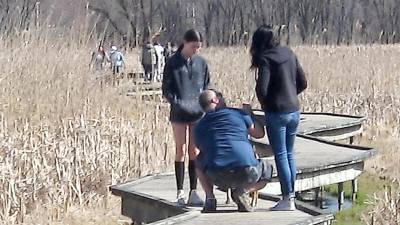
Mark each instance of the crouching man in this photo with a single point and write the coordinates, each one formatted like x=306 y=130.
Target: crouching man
x=226 y=157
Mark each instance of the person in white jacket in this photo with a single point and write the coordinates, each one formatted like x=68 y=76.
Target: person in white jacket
x=117 y=60
x=160 y=58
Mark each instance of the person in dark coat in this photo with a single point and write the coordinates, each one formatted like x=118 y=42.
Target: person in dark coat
x=186 y=75
x=280 y=79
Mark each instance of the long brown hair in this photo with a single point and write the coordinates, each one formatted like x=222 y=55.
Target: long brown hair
x=265 y=37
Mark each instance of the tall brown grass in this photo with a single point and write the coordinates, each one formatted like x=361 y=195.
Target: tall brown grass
x=64 y=138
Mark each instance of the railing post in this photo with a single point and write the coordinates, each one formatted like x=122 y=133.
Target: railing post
x=340 y=196
x=354 y=185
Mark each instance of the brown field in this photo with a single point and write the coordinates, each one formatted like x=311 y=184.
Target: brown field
x=64 y=138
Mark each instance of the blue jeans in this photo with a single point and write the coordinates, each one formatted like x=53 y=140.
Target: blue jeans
x=281 y=130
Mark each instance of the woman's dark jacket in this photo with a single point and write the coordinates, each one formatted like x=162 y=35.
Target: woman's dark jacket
x=183 y=82
x=280 y=80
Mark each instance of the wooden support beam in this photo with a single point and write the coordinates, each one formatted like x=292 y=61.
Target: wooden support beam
x=340 y=196
x=317 y=196
x=322 y=198
x=228 y=196
x=354 y=186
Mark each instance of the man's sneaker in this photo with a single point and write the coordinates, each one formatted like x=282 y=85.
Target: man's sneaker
x=286 y=204
x=180 y=198
x=194 y=199
x=242 y=200
x=210 y=205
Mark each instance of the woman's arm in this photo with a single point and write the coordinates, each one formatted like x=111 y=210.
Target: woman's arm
x=301 y=81
x=167 y=84
x=206 y=78
x=263 y=80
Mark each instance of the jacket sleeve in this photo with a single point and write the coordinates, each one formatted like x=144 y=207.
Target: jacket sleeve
x=167 y=84
x=301 y=81
x=263 y=80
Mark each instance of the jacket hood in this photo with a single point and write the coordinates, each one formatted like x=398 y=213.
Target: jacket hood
x=279 y=54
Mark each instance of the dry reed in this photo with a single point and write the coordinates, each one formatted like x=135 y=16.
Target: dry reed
x=64 y=138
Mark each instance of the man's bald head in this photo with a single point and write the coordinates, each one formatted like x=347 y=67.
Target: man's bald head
x=207 y=99
x=210 y=100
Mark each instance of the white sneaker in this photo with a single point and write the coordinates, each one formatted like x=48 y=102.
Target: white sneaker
x=180 y=198
x=286 y=204
x=194 y=199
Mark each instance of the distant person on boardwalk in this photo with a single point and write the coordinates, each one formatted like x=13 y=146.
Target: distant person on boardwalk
x=186 y=75
x=246 y=39
x=280 y=79
x=117 y=60
x=99 y=58
x=226 y=157
x=149 y=61
x=160 y=57
x=170 y=49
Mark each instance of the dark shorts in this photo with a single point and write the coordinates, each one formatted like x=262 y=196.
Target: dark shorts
x=179 y=117
x=241 y=178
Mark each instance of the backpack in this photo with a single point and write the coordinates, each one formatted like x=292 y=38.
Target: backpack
x=119 y=59
x=149 y=55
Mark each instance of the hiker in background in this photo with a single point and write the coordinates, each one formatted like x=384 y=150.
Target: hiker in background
x=149 y=60
x=280 y=79
x=226 y=157
x=245 y=39
x=170 y=49
x=160 y=57
x=117 y=60
x=99 y=58
x=186 y=75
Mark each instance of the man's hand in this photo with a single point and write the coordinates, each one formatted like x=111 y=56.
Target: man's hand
x=247 y=108
x=257 y=129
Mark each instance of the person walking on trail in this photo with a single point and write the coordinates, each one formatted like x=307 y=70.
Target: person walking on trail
x=280 y=79
x=186 y=75
x=226 y=157
x=169 y=51
x=117 y=60
x=159 y=49
x=149 y=60
x=99 y=58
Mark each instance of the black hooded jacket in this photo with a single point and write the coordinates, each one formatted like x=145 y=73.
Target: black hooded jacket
x=280 y=80
x=183 y=83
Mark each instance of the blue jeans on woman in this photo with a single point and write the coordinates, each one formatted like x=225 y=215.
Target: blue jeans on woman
x=281 y=130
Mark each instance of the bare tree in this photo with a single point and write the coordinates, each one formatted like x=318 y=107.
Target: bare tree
x=16 y=15
x=208 y=15
x=228 y=22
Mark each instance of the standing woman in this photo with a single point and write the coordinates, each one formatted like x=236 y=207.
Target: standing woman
x=186 y=75
x=280 y=79
x=99 y=58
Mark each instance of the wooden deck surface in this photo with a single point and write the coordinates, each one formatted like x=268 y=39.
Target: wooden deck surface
x=164 y=187
x=314 y=154
x=313 y=122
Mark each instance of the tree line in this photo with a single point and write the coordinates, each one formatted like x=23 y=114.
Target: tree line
x=225 y=22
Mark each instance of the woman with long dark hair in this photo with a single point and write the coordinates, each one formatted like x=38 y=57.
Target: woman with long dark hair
x=280 y=79
x=186 y=75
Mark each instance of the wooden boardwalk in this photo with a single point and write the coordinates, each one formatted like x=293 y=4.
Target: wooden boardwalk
x=328 y=126
x=146 y=90
x=162 y=187
x=319 y=163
